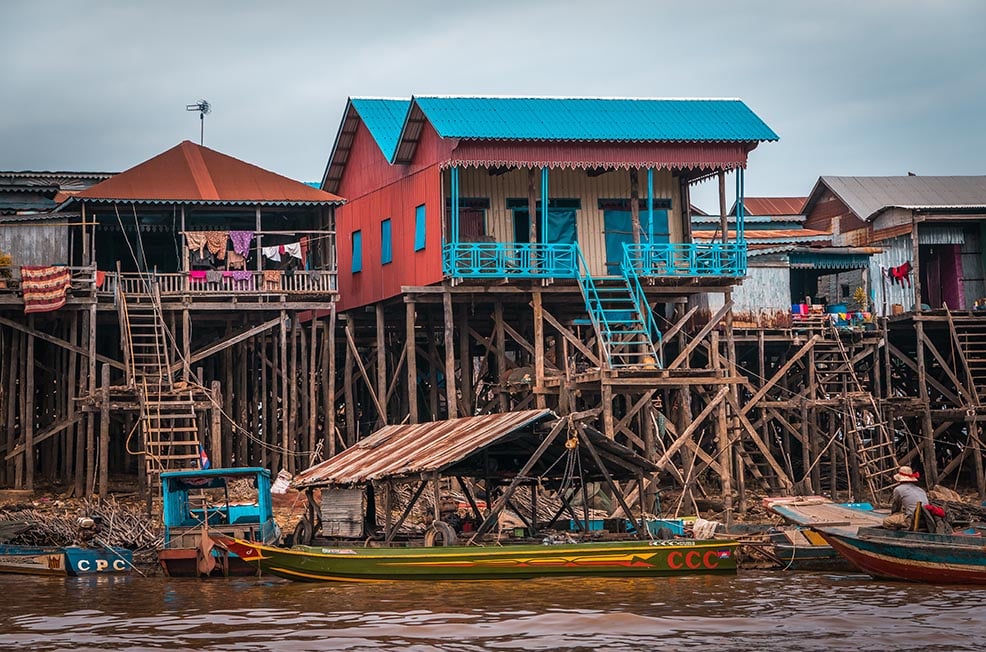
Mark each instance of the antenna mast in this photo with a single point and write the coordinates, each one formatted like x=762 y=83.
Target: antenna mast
x=202 y=107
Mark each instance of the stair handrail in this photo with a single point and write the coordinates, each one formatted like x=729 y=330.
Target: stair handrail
x=590 y=293
x=969 y=378
x=629 y=269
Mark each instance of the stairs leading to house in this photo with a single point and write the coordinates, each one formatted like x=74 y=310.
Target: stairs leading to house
x=168 y=420
x=620 y=314
x=863 y=429
x=970 y=334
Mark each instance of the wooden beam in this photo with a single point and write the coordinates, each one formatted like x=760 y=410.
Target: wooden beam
x=766 y=387
x=411 y=346
x=60 y=342
x=451 y=403
x=202 y=354
x=701 y=334
x=362 y=369
x=692 y=427
x=570 y=337
x=587 y=442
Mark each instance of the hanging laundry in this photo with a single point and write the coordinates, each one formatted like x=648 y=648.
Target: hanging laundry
x=235 y=260
x=304 y=250
x=214 y=276
x=272 y=279
x=100 y=278
x=216 y=242
x=280 y=249
x=44 y=287
x=900 y=274
x=197 y=240
x=273 y=253
x=197 y=276
x=241 y=241
x=201 y=259
x=242 y=276
x=294 y=249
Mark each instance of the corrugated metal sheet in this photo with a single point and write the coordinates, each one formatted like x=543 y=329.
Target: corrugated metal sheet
x=384 y=118
x=395 y=451
x=935 y=234
x=599 y=119
x=769 y=236
x=772 y=205
x=867 y=196
x=192 y=173
x=896 y=252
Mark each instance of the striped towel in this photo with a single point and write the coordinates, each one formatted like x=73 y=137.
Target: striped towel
x=44 y=287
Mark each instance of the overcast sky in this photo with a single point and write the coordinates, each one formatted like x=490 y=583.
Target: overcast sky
x=877 y=87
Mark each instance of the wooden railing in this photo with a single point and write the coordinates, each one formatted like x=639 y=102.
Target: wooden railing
x=251 y=283
x=83 y=280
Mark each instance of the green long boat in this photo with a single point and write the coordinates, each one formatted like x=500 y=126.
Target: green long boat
x=614 y=559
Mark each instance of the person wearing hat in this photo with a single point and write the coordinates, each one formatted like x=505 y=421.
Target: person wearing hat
x=907 y=495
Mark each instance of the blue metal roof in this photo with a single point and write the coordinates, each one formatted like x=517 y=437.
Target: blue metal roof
x=384 y=118
x=593 y=119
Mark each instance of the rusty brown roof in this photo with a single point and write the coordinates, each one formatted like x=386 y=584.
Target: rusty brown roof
x=773 y=205
x=190 y=173
x=416 y=448
x=404 y=451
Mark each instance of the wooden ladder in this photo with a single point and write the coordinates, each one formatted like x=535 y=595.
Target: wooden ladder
x=167 y=413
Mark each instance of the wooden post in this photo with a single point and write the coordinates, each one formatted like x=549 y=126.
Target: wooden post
x=71 y=388
x=532 y=204
x=287 y=461
x=104 y=432
x=450 y=395
x=186 y=345
x=607 y=401
x=216 y=423
x=91 y=417
x=381 y=388
x=330 y=401
x=465 y=361
x=312 y=377
x=927 y=428
x=291 y=396
x=28 y=418
x=722 y=436
x=412 y=366
x=635 y=204
x=539 y=396
x=501 y=357
x=347 y=386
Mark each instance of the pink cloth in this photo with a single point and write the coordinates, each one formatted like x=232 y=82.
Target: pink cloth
x=197 y=275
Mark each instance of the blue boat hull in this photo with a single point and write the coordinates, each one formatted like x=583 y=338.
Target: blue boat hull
x=64 y=561
x=912 y=556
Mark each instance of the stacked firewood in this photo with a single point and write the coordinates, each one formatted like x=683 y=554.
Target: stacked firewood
x=91 y=522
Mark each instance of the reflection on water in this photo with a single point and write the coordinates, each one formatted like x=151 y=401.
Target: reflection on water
x=751 y=611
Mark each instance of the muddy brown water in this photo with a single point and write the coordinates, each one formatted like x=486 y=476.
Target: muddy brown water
x=750 y=611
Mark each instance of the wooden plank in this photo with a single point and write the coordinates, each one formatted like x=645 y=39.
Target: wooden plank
x=713 y=322
x=452 y=410
x=570 y=338
x=692 y=427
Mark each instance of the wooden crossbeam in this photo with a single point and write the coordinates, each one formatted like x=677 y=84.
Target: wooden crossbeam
x=567 y=334
x=60 y=342
x=716 y=318
x=692 y=427
x=778 y=375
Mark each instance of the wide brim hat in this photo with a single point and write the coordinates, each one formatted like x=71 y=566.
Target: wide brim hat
x=906 y=474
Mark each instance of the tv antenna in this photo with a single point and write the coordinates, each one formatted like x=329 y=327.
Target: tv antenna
x=202 y=107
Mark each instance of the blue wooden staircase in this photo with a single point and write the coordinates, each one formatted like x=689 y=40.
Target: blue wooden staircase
x=621 y=316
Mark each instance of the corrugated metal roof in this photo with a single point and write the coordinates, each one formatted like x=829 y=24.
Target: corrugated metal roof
x=772 y=205
x=704 y=219
x=190 y=173
x=403 y=450
x=593 y=119
x=384 y=119
x=769 y=236
x=868 y=196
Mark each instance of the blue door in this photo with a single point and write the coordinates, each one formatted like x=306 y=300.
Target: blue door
x=618 y=225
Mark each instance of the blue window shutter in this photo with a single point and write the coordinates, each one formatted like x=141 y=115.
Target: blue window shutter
x=357 y=251
x=419 y=228
x=386 y=243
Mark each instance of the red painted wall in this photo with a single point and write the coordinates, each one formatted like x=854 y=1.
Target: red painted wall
x=374 y=191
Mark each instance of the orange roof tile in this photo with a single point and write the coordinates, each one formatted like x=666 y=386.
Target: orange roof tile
x=190 y=173
x=773 y=205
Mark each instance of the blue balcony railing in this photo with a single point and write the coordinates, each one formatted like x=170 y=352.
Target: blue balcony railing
x=539 y=260
x=687 y=259
x=510 y=260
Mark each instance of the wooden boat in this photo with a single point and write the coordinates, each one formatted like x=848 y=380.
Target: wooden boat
x=912 y=556
x=64 y=561
x=800 y=548
x=612 y=559
x=197 y=503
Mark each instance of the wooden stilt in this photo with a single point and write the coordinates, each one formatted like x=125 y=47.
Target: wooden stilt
x=29 y=412
x=215 y=422
x=104 y=432
x=381 y=385
x=465 y=362
x=450 y=390
x=412 y=362
x=347 y=379
x=503 y=396
x=330 y=382
x=539 y=351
